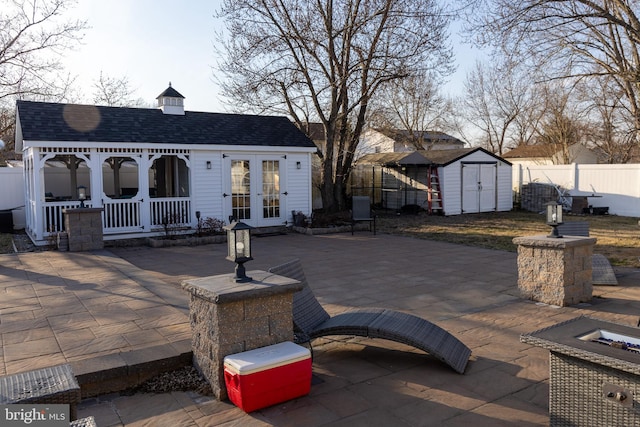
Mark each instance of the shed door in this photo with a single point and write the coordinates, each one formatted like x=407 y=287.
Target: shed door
x=252 y=189
x=479 y=187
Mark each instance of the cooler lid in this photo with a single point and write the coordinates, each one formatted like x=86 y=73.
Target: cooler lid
x=263 y=358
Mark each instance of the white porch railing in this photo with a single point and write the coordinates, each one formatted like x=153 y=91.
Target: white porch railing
x=53 y=216
x=125 y=215
x=121 y=216
x=170 y=210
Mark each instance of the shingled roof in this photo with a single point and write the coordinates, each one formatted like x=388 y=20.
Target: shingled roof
x=530 y=151
x=433 y=137
x=41 y=121
x=422 y=157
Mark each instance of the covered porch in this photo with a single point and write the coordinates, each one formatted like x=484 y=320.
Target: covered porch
x=139 y=190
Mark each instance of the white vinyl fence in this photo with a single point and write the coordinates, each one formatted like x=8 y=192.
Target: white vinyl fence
x=12 y=194
x=618 y=186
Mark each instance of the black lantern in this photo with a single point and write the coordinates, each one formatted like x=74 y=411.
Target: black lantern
x=239 y=248
x=554 y=218
x=82 y=195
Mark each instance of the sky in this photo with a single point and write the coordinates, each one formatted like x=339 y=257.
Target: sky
x=154 y=42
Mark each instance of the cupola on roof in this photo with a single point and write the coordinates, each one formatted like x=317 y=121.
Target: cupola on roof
x=171 y=101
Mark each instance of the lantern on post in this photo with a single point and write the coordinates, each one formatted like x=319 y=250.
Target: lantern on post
x=239 y=248
x=554 y=218
x=82 y=195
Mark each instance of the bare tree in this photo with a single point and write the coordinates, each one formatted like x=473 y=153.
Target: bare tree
x=577 y=39
x=562 y=124
x=501 y=104
x=610 y=128
x=414 y=105
x=325 y=61
x=115 y=92
x=33 y=34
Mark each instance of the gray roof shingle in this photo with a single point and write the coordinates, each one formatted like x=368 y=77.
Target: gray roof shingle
x=423 y=157
x=41 y=121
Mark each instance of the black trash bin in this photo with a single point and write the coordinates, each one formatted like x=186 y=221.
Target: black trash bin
x=6 y=221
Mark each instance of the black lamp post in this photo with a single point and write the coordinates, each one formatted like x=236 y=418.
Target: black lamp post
x=239 y=248
x=199 y=223
x=82 y=195
x=554 y=218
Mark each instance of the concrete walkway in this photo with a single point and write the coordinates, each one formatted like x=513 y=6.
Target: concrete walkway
x=124 y=306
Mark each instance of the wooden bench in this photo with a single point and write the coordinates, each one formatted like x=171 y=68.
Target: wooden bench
x=601 y=271
x=54 y=385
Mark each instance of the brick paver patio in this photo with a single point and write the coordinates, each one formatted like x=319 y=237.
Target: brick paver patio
x=60 y=307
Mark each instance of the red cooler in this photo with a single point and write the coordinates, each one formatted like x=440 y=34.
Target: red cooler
x=268 y=375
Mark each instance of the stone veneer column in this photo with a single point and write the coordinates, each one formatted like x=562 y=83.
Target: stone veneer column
x=228 y=317
x=84 y=228
x=555 y=271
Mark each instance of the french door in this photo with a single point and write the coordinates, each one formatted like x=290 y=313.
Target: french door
x=252 y=189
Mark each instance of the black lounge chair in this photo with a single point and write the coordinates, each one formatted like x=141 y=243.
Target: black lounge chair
x=312 y=321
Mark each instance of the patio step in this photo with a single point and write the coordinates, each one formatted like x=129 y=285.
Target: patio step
x=120 y=371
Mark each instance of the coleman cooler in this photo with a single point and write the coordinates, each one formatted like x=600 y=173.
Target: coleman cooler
x=268 y=375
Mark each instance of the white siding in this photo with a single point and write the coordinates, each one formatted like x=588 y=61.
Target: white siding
x=298 y=185
x=206 y=184
x=451 y=183
x=505 y=190
x=374 y=142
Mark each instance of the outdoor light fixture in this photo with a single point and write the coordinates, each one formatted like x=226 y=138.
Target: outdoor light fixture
x=82 y=195
x=554 y=218
x=298 y=165
x=239 y=248
x=208 y=164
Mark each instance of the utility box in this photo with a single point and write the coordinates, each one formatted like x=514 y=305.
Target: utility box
x=268 y=375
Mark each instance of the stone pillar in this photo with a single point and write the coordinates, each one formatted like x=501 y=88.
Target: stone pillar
x=84 y=228
x=228 y=317
x=555 y=271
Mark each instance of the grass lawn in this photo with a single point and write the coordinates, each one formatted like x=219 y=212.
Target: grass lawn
x=617 y=237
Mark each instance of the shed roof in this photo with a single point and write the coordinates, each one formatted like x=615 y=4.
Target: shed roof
x=422 y=157
x=42 y=121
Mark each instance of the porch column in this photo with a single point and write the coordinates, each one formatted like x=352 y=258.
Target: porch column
x=143 y=190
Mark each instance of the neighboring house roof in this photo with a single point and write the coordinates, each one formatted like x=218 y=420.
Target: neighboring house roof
x=41 y=121
x=422 y=157
x=315 y=131
x=530 y=151
x=405 y=136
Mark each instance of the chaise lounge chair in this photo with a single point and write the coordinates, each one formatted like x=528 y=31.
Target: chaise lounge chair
x=312 y=321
